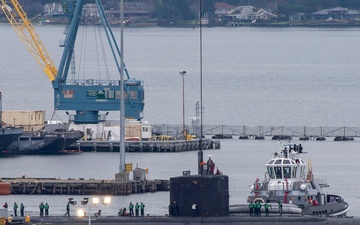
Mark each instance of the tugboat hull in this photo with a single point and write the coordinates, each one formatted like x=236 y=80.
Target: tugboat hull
x=332 y=209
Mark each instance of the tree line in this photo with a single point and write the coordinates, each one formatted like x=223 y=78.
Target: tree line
x=189 y=9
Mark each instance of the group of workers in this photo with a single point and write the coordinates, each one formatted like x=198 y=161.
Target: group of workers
x=43 y=207
x=15 y=207
x=138 y=207
x=255 y=208
x=210 y=167
x=9 y=219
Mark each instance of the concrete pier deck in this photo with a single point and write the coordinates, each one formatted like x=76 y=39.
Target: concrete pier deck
x=54 y=186
x=145 y=146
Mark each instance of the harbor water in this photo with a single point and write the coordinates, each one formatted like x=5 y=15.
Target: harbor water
x=251 y=76
x=242 y=160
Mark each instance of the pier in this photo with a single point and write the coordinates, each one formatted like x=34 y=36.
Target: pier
x=145 y=146
x=267 y=131
x=81 y=186
x=293 y=131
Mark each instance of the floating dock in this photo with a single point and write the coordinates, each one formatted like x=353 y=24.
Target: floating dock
x=145 y=146
x=55 y=186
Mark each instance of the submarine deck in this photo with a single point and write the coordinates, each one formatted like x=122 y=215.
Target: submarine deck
x=232 y=219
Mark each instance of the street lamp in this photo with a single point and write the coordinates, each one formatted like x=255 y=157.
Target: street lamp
x=183 y=96
x=94 y=202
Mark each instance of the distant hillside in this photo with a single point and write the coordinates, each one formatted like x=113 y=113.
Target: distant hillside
x=287 y=7
x=189 y=9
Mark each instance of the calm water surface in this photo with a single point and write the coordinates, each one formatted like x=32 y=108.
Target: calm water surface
x=242 y=160
x=251 y=76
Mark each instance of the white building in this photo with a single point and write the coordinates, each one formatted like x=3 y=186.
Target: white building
x=242 y=12
x=223 y=9
x=246 y=12
x=262 y=14
x=53 y=9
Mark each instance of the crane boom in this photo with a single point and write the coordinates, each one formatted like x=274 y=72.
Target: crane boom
x=28 y=35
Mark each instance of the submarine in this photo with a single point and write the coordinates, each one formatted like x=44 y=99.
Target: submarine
x=204 y=197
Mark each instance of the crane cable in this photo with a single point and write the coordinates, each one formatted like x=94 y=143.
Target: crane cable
x=104 y=54
x=81 y=67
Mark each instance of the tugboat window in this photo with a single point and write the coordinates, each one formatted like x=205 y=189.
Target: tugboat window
x=278 y=161
x=287 y=172
x=294 y=172
x=302 y=171
x=278 y=172
x=271 y=172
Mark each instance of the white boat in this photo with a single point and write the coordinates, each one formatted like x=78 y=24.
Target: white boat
x=287 y=181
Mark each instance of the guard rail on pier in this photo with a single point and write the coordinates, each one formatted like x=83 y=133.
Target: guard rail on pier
x=146 y=146
x=294 y=131
x=243 y=130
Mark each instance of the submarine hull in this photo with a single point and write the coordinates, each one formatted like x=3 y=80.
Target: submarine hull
x=224 y=220
x=210 y=193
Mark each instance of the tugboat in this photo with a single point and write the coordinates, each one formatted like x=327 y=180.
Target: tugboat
x=286 y=182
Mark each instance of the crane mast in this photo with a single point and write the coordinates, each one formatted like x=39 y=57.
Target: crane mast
x=28 y=35
x=88 y=96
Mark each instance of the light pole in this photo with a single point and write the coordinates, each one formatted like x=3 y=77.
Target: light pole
x=183 y=98
x=94 y=202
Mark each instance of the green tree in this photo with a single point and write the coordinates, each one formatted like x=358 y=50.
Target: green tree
x=32 y=8
x=208 y=7
x=174 y=10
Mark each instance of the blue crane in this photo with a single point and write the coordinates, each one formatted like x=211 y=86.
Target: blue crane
x=87 y=97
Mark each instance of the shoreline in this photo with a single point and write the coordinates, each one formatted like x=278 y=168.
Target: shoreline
x=313 y=24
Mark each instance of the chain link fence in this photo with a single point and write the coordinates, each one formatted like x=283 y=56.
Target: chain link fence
x=242 y=130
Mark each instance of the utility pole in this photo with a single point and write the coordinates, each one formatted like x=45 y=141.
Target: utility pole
x=183 y=98
x=122 y=175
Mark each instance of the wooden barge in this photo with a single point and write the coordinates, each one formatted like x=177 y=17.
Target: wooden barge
x=145 y=146
x=56 y=186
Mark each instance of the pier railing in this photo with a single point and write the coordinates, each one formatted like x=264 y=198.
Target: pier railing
x=294 y=131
